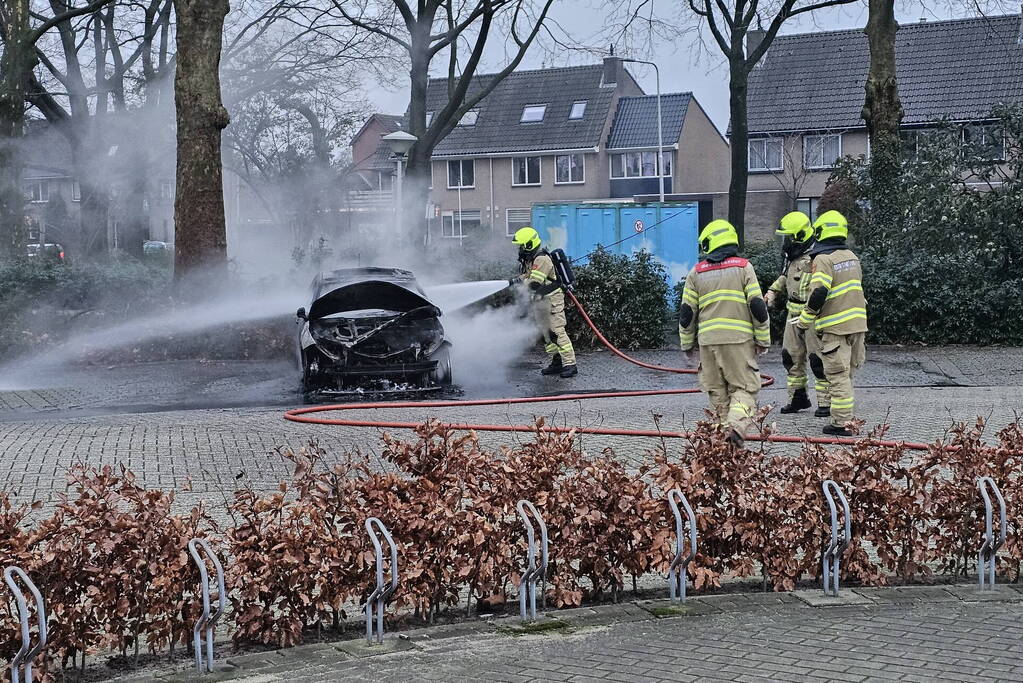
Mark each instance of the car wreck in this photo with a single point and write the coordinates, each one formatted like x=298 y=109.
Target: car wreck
x=371 y=329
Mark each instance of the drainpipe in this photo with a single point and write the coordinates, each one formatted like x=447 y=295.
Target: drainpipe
x=493 y=209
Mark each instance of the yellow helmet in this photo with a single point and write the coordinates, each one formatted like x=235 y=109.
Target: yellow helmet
x=717 y=234
x=831 y=224
x=795 y=225
x=527 y=238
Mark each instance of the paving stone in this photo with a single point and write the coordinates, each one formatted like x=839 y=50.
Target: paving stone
x=1000 y=593
x=361 y=649
x=603 y=614
x=665 y=609
x=907 y=594
x=846 y=597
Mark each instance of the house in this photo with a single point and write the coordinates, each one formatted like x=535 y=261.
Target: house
x=582 y=133
x=806 y=95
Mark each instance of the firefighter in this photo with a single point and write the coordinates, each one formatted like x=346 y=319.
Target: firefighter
x=798 y=346
x=837 y=309
x=537 y=270
x=723 y=325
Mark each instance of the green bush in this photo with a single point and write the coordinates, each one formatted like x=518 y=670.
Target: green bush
x=626 y=296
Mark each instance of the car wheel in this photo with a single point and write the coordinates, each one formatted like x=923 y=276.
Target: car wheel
x=442 y=376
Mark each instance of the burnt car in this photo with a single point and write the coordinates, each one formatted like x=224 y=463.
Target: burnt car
x=371 y=329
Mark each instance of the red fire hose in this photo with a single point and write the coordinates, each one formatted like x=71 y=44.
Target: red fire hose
x=309 y=415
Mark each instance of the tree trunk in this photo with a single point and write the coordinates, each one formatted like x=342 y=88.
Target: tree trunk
x=737 y=109
x=16 y=63
x=415 y=191
x=882 y=111
x=199 y=221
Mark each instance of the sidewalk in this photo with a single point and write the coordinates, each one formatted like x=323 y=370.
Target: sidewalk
x=919 y=633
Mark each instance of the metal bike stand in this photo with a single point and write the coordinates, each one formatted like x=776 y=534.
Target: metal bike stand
x=23 y=659
x=989 y=542
x=840 y=537
x=207 y=622
x=534 y=571
x=377 y=600
x=679 y=563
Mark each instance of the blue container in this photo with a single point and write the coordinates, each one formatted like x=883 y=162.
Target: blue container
x=668 y=231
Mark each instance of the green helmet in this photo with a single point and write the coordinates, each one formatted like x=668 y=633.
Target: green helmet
x=831 y=224
x=795 y=225
x=527 y=238
x=717 y=234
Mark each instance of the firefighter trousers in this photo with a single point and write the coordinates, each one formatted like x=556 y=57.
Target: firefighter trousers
x=550 y=318
x=842 y=355
x=730 y=376
x=800 y=348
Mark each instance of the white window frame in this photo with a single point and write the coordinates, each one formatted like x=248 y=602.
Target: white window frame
x=477 y=215
x=508 y=221
x=985 y=130
x=76 y=191
x=582 y=166
x=461 y=174
x=638 y=156
x=533 y=108
x=582 y=112
x=41 y=184
x=469 y=118
x=525 y=160
x=429 y=118
x=808 y=205
x=821 y=139
x=765 y=168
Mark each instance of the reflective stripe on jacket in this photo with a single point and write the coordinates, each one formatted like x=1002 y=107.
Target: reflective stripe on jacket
x=795 y=284
x=844 y=310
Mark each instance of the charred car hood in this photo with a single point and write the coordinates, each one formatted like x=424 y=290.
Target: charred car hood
x=371 y=298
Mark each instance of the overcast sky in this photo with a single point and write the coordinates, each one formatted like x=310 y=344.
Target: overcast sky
x=682 y=67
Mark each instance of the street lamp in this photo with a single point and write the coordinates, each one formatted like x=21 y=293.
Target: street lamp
x=660 y=131
x=400 y=143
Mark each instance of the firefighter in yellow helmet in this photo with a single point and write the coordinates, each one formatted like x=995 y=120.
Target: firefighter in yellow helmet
x=798 y=346
x=723 y=324
x=837 y=309
x=537 y=270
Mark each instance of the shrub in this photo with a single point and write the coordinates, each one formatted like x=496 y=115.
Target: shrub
x=626 y=296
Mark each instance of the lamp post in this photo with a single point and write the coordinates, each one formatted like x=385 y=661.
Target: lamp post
x=660 y=131
x=400 y=143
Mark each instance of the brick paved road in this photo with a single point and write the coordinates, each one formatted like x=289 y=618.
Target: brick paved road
x=912 y=642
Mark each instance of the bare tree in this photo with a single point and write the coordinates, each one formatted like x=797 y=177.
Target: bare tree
x=20 y=30
x=460 y=31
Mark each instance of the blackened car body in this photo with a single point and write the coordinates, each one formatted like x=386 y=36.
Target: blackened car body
x=371 y=329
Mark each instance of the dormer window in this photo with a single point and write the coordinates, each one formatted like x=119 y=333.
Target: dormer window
x=429 y=118
x=533 y=113
x=578 y=109
x=469 y=118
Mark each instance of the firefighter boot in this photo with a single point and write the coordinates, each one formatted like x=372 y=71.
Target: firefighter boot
x=822 y=411
x=569 y=371
x=799 y=401
x=554 y=368
x=836 y=430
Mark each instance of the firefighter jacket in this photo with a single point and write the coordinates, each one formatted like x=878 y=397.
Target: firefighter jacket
x=836 y=303
x=542 y=281
x=795 y=284
x=722 y=304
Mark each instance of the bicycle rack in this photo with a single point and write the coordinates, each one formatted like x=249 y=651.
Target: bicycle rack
x=377 y=600
x=527 y=584
x=839 y=541
x=990 y=543
x=23 y=659
x=677 y=568
x=201 y=552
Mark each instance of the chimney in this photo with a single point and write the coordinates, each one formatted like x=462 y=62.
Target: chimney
x=612 y=71
x=753 y=40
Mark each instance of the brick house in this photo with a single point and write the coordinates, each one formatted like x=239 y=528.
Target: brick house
x=583 y=133
x=806 y=95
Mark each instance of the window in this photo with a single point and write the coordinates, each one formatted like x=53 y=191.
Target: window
x=515 y=219
x=821 y=151
x=568 y=168
x=469 y=118
x=76 y=191
x=455 y=224
x=765 y=154
x=429 y=118
x=166 y=189
x=808 y=205
x=461 y=174
x=38 y=191
x=533 y=113
x=526 y=171
x=639 y=164
x=984 y=142
x=578 y=110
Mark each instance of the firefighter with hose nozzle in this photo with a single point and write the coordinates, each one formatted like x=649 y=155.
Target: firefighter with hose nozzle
x=799 y=347
x=723 y=325
x=537 y=270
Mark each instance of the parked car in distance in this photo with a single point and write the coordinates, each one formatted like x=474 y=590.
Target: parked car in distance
x=50 y=250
